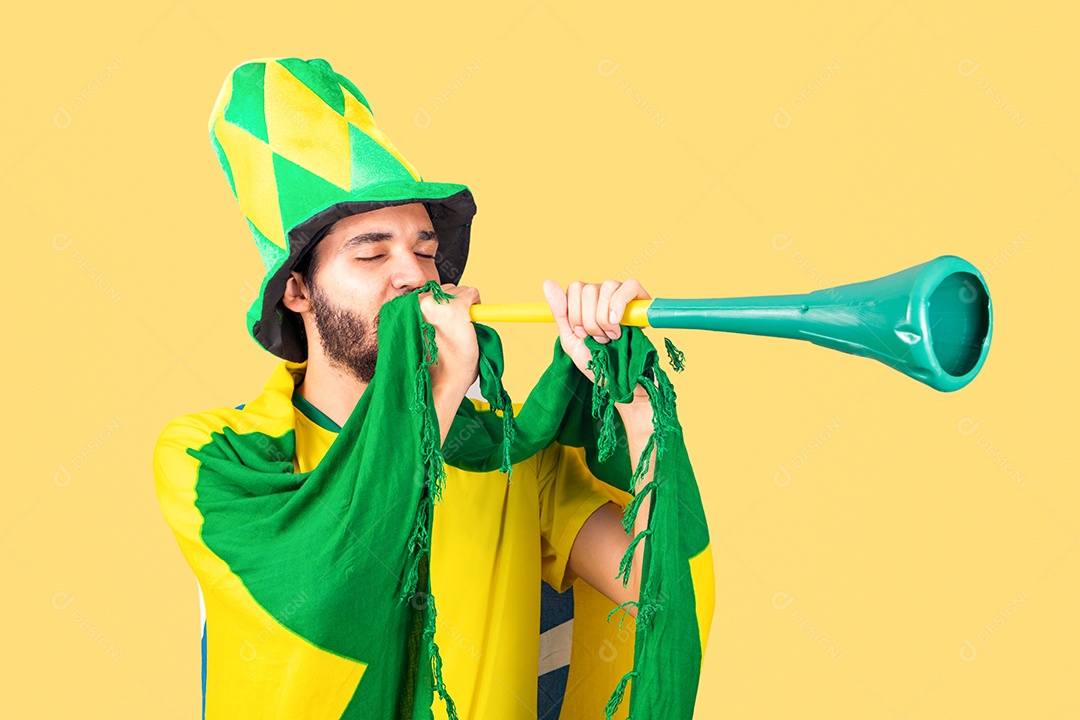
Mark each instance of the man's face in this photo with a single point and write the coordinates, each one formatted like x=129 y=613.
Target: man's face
x=367 y=260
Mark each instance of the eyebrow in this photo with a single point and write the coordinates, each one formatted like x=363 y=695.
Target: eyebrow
x=377 y=236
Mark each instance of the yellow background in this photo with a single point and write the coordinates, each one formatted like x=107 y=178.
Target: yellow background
x=882 y=550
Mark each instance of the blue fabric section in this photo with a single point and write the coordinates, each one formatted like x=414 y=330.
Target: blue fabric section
x=555 y=609
x=240 y=407
x=204 y=670
x=550 y=693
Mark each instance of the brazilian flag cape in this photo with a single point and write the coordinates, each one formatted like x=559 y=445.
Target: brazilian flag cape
x=291 y=537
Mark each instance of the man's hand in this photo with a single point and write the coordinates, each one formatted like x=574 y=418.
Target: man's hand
x=591 y=309
x=458 y=362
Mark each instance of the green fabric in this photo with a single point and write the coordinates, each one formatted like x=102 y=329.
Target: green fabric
x=314 y=414
x=319 y=76
x=247 y=107
x=354 y=533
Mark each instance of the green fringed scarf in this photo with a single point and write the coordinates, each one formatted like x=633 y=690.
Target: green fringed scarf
x=565 y=407
x=373 y=531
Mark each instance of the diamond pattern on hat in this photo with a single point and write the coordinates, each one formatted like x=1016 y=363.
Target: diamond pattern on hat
x=253 y=177
x=358 y=114
x=371 y=163
x=320 y=77
x=301 y=127
x=306 y=190
x=246 y=99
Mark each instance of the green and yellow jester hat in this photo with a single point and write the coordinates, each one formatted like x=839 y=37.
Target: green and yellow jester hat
x=301 y=150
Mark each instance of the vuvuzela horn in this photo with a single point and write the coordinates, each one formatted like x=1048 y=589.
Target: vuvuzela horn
x=931 y=322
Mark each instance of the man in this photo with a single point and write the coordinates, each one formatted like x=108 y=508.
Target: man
x=369 y=258
x=345 y=225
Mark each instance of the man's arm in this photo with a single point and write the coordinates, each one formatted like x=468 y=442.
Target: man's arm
x=602 y=542
x=447 y=401
x=590 y=309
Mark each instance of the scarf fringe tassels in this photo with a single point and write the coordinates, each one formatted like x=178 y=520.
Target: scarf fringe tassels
x=440 y=686
x=662 y=400
x=503 y=404
x=434 y=478
x=675 y=356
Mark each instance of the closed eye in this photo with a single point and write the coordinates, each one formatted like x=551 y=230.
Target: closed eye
x=376 y=257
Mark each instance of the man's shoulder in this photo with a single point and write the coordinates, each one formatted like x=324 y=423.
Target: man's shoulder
x=197 y=428
x=270 y=412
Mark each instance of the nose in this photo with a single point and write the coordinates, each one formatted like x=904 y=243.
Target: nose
x=410 y=271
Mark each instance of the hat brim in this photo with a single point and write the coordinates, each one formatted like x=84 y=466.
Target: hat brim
x=451 y=208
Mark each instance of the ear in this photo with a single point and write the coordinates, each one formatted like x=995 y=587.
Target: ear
x=296 y=294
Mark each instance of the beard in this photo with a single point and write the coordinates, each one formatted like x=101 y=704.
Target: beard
x=347 y=338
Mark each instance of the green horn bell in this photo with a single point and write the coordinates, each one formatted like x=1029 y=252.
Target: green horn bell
x=931 y=322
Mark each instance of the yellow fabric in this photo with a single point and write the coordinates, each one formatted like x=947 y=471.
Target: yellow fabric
x=701 y=575
x=252 y=644
x=301 y=127
x=491 y=544
x=252 y=166
x=600 y=655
